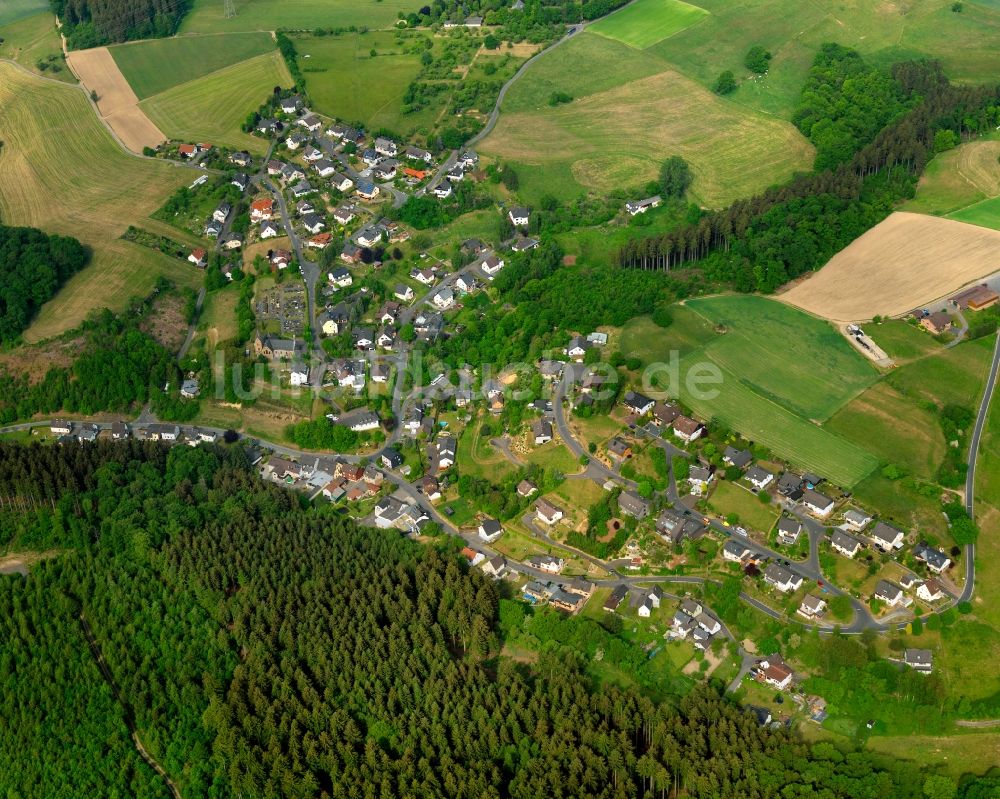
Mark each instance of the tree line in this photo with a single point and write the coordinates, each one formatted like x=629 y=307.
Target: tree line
x=89 y=23
x=759 y=243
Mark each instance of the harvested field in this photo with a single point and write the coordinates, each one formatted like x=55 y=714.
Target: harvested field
x=903 y=263
x=116 y=101
x=646 y=22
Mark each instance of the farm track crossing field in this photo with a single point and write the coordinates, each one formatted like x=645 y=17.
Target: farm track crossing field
x=579 y=146
x=785 y=355
x=62 y=172
x=901 y=264
x=212 y=108
x=207 y=16
x=646 y=22
x=156 y=65
x=33 y=40
x=116 y=101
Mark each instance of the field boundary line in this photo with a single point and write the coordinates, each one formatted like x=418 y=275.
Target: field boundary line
x=186 y=83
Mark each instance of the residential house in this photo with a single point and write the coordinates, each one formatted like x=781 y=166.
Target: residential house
x=232 y=242
x=523 y=244
x=637 y=403
x=363 y=338
x=617 y=596
x=921 y=660
x=936 y=560
x=343 y=214
x=687 y=429
x=325 y=168
x=380 y=372
x=812 y=607
x=290 y=172
x=817 y=503
x=740 y=458
x=340 y=276
x=342 y=183
x=425 y=276
x=299 y=374
x=699 y=477
x=857 y=519
x=886 y=537
x=351 y=253
x=446 y=448
x=320 y=241
x=269 y=230
x=930 y=591
x=268 y=127
x=241 y=158
x=490 y=265
x=302 y=188
x=664 y=414
x=198 y=257
x=291 y=105
x=120 y=430
x=222 y=212
x=164 y=432
x=519 y=216
x=386 y=147
x=363 y=421
x=418 y=154
x=641 y=206
x=846 y=545
x=391 y=458
x=385 y=169
x=633 y=505
x=790 y=485
x=619 y=449
x=546 y=563
x=431 y=488
x=442 y=190
x=402 y=292
x=295 y=140
x=735 y=551
x=936 y=323
x=303 y=207
x=386 y=338
x=890 y=593
x=789 y=530
x=548 y=512
x=367 y=190
x=240 y=181
x=444 y=298
x=577 y=348
x=773 y=671
x=261 y=209
x=542 y=431
x=313 y=223
x=759 y=477
x=781 y=578
x=190 y=388
x=370 y=235
x=313 y=154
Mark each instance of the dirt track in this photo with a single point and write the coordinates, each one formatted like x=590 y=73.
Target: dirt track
x=116 y=101
x=906 y=262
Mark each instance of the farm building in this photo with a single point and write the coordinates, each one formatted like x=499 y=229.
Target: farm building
x=976 y=298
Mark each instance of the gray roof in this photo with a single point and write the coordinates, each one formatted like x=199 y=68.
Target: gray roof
x=738 y=457
x=844 y=541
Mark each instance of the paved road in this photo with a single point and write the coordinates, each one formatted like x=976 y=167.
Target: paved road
x=970 y=477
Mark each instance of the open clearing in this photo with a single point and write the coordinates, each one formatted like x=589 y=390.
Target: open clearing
x=33 y=40
x=207 y=16
x=619 y=135
x=901 y=264
x=985 y=214
x=13 y=10
x=116 y=101
x=213 y=108
x=646 y=22
x=61 y=171
x=958 y=178
x=156 y=65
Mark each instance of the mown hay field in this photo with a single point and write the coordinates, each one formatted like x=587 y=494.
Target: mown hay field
x=619 y=135
x=903 y=263
x=646 y=22
x=155 y=65
x=62 y=172
x=208 y=16
x=214 y=107
x=33 y=40
x=957 y=179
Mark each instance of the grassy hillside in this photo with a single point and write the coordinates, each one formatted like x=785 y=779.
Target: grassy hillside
x=254 y=15
x=793 y=30
x=13 y=10
x=156 y=65
x=622 y=125
x=646 y=22
x=958 y=178
x=32 y=41
x=213 y=108
x=62 y=172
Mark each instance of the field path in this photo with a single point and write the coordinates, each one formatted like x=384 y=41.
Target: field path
x=117 y=104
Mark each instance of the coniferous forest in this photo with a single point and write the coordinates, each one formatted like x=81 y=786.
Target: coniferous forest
x=89 y=23
x=263 y=649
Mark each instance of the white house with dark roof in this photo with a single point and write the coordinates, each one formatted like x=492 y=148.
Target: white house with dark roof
x=818 y=504
x=846 y=545
x=887 y=537
x=781 y=578
x=519 y=216
x=759 y=477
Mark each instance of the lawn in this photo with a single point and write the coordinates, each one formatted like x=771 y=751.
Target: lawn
x=253 y=15
x=894 y=428
x=156 y=65
x=345 y=81
x=212 y=108
x=646 y=22
x=13 y=10
x=61 y=171
x=985 y=214
x=785 y=355
x=218 y=317
x=958 y=178
x=622 y=95
x=902 y=341
x=729 y=498
x=33 y=40
x=553 y=456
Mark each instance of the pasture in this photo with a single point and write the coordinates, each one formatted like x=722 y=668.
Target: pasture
x=646 y=22
x=882 y=30
x=642 y=338
x=13 y=10
x=345 y=81
x=902 y=263
x=958 y=178
x=618 y=135
x=207 y=16
x=33 y=40
x=784 y=354
x=761 y=420
x=156 y=65
x=62 y=172
x=212 y=108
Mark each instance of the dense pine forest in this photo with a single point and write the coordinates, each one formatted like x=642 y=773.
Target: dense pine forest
x=874 y=133
x=261 y=648
x=89 y=23
x=33 y=267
